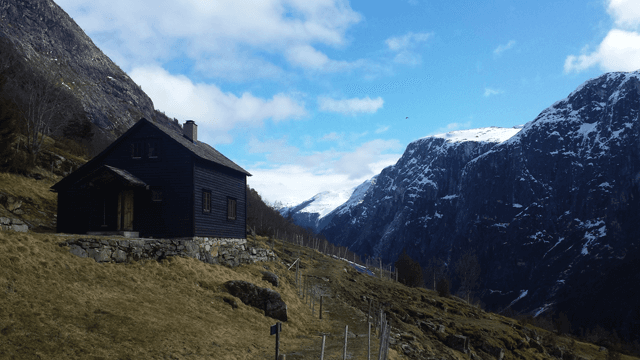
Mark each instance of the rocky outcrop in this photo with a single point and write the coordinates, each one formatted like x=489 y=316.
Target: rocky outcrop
x=55 y=46
x=13 y=224
x=260 y=298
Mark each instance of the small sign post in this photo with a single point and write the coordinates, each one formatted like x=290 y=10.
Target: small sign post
x=276 y=329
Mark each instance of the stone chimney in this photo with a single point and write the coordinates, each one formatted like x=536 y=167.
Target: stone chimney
x=190 y=130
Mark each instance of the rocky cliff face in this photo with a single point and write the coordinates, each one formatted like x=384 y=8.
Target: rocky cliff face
x=53 y=44
x=553 y=212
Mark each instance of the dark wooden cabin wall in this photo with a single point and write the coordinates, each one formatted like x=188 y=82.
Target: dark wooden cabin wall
x=223 y=183
x=170 y=173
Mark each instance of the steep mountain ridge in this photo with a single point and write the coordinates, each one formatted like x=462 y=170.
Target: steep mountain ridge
x=551 y=212
x=53 y=45
x=318 y=211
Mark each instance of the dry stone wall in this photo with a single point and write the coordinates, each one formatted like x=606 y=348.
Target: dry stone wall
x=13 y=224
x=224 y=251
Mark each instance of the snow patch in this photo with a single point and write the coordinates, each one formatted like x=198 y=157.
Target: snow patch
x=489 y=134
x=523 y=293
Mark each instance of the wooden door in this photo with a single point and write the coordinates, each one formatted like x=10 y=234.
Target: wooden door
x=125 y=210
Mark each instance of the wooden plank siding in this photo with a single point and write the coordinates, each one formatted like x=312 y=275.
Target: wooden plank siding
x=223 y=183
x=175 y=170
x=169 y=173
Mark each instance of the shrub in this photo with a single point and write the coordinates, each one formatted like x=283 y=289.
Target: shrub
x=442 y=287
x=409 y=270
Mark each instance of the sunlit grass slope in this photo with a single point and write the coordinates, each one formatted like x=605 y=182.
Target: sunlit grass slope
x=56 y=305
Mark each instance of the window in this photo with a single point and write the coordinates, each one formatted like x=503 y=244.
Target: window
x=156 y=195
x=152 y=149
x=136 y=150
x=206 y=201
x=231 y=209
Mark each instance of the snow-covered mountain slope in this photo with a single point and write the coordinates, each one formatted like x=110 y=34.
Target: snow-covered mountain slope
x=316 y=212
x=553 y=211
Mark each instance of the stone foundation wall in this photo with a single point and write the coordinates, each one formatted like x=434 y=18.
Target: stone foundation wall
x=224 y=251
x=13 y=224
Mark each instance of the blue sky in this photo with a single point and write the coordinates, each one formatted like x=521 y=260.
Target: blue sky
x=315 y=95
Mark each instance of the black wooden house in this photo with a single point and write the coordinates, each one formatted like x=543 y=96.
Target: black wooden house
x=155 y=182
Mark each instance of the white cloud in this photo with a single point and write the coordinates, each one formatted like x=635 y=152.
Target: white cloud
x=277 y=150
x=332 y=136
x=626 y=13
x=205 y=30
x=350 y=106
x=365 y=159
x=405 y=45
x=305 y=175
x=214 y=110
x=489 y=92
x=382 y=129
x=620 y=49
x=406 y=41
x=502 y=48
x=454 y=126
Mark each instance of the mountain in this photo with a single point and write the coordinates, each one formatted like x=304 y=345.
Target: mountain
x=552 y=213
x=52 y=45
x=318 y=211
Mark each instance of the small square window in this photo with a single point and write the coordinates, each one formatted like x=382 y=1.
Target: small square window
x=152 y=149
x=206 y=201
x=156 y=195
x=136 y=150
x=231 y=209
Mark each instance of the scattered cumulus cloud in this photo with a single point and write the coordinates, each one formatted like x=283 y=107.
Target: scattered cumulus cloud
x=619 y=51
x=620 y=48
x=626 y=13
x=404 y=47
x=361 y=163
x=454 y=126
x=305 y=175
x=382 y=129
x=502 y=48
x=332 y=136
x=215 y=111
x=350 y=106
x=490 y=92
x=208 y=31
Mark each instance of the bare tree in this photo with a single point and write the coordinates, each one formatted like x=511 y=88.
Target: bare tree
x=468 y=270
x=435 y=270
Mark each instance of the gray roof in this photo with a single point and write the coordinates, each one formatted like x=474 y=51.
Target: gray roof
x=200 y=149
x=127 y=176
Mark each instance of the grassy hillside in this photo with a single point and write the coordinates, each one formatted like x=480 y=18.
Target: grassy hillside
x=57 y=305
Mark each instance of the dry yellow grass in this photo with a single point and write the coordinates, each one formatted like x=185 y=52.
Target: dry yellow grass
x=54 y=305
x=39 y=204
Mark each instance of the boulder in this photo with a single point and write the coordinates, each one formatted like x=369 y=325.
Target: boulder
x=270 y=277
x=258 y=297
x=495 y=351
x=100 y=255
x=459 y=343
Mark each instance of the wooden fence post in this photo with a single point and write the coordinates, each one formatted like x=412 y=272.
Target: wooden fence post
x=344 y=353
x=276 y=329
x=321 y=298
x=369 y=342
x=322 y=348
